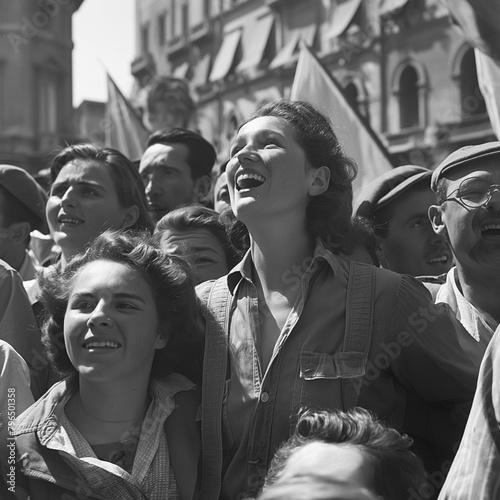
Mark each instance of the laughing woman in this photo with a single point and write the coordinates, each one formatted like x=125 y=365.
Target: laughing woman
x=294 y=324
x=122 y=425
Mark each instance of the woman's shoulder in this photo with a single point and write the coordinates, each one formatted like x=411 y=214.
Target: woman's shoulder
x=41 y=410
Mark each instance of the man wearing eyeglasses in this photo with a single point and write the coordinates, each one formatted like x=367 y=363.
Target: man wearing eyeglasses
x=467 y=213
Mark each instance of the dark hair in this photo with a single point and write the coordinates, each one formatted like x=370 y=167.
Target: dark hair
x=126 y=179
x=362 y=238
x=170 y=280
x=201 y=157
x=328 y=215
x=197 y=217
x=441 y=191
x=14 y=210
x=396 y=469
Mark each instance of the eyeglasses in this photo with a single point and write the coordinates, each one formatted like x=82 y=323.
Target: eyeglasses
x=474 y=192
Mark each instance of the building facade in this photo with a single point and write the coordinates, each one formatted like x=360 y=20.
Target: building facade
x=401 y=64
x=90 y=120
x=36 y=109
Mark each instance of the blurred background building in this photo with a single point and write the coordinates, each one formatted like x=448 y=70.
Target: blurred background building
x=207 y=64
x=36 y=110
x=402 y=64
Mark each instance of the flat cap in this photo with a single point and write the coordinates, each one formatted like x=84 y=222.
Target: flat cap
x=387 y=187
x=23 y=186
x=462 y=156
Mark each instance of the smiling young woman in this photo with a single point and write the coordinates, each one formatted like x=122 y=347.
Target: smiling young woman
x=121 y=326
x=296 y=325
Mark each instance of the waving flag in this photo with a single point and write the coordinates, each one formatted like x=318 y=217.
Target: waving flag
x=480 y=24
x=313 y=83
x=124 y=129
x=488 y=77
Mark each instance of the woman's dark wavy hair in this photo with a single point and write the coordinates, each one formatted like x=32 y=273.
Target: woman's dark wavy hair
x=328 y=215
x=171 y=283
x=126 y=179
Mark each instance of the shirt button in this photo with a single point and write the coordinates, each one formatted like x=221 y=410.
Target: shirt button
x=264 y=397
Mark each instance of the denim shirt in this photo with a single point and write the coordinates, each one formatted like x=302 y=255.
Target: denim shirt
x=414 y=351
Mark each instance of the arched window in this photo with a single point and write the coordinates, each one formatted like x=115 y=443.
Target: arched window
x=408 y=98
x=471 y=100
x=351 y=94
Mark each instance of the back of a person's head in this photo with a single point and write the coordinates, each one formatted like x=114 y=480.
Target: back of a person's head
x=396 y=470
x=202 y=154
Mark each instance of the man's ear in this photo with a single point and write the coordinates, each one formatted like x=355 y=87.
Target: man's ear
x=201 y=188
x=19 y=231
x=436 y=218
x=320 y=181
x=379 y=251
x=160 y=342
x=131 y=216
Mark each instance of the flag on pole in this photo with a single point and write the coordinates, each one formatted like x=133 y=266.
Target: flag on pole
x=313 y=83
x=124 y=130
x=480 y=21
x=488 y=77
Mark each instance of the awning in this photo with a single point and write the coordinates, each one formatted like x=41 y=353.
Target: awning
x=181 y=70
x=285 y=55
x=253 y=54
x=389 y=6
x=343 y=16
x=225 y=56
x=200 y=71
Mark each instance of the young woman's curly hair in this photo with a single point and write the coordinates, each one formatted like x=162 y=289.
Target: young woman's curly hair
x=171 y=283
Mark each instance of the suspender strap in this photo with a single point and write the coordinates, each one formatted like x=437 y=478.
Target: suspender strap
x=359 y=320
x=214 y=377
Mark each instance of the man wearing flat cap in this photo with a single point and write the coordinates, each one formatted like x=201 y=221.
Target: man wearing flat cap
x=22 y=204
x=22 y=210
x=396 y=203
x=467 y=213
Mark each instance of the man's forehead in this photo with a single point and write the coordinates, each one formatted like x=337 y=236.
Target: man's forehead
x=157 y=153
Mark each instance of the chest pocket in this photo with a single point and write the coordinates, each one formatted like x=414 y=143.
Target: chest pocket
x=320 y=365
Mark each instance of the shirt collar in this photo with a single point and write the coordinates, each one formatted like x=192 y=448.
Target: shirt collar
x=243 y=270
x=473 y=321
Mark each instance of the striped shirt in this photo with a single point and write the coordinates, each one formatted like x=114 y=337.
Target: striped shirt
x=475 y=472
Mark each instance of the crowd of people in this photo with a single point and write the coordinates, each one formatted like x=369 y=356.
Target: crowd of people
x=178 y=328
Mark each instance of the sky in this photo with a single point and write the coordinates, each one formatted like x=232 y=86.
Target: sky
x=103 y=35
